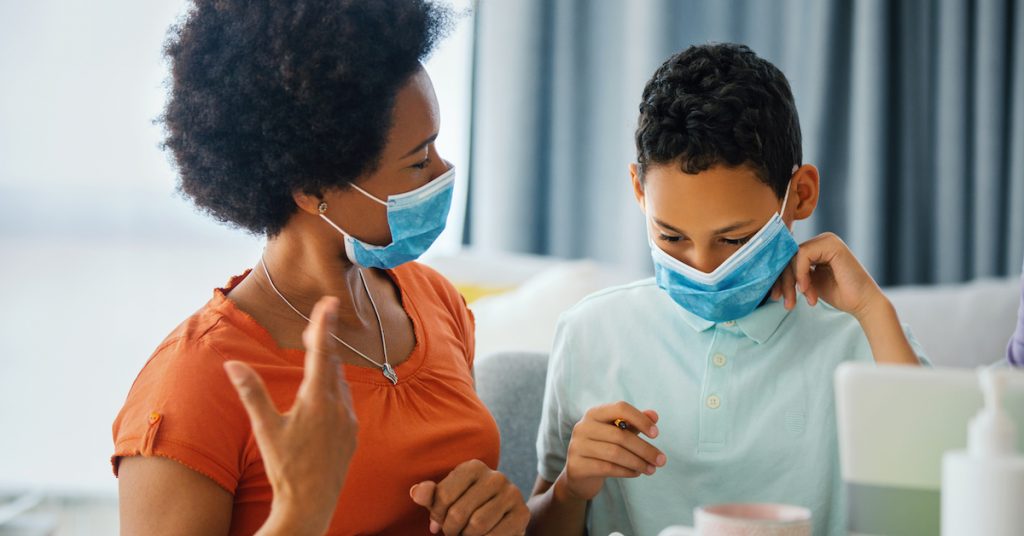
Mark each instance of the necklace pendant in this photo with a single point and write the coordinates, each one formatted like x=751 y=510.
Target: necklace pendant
x=389 y=373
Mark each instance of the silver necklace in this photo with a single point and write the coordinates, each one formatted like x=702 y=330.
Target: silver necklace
x=384 y=367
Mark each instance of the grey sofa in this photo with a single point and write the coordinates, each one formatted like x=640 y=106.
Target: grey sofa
x=511 y=384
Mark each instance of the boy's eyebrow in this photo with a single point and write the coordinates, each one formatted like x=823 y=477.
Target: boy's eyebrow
x=723 y=230
x=733 y=227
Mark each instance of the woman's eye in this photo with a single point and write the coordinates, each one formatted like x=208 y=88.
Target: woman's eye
x=668 y=238
x=421 y=165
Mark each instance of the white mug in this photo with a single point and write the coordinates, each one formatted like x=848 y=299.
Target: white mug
x=746 y=519
x=752 y=519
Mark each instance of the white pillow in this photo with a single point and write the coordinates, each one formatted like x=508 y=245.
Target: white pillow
x=524 y=319
x=965 y=325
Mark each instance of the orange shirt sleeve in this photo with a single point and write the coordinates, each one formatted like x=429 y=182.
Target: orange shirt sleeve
x=183 y=407
x=469 y=335
x=467 y=324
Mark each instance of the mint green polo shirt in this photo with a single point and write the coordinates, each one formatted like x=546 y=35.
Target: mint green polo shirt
x=747 y=410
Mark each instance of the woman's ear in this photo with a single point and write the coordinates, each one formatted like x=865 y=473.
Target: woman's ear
x=308 y=203
x=638 y=185
x=805 y=190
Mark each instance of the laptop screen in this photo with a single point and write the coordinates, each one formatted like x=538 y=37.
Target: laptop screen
x=895 y=424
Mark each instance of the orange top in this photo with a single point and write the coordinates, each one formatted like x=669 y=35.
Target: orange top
x=183 y=407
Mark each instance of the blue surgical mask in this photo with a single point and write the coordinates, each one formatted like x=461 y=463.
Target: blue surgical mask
x=738 y=285
x=415 y=218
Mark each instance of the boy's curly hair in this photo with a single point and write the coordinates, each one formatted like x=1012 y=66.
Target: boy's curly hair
x=720 y=104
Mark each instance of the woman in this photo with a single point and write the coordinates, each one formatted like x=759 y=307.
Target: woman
x=314 y=124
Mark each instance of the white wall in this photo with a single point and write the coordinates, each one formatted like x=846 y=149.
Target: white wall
x=99 y=257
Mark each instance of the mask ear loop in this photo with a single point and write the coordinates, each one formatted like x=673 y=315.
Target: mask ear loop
x=368 y=194
x=322 y=209
x=785 y=198
x=349 y=247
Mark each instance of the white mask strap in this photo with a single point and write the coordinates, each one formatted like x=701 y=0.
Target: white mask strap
x=368 y=194
x=332 y=224
x=785 y=198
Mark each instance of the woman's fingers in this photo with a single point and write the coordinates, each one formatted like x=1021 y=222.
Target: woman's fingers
x=488 y=517
x=423 y=493
x=472 y=500
x=511 y=524
x=449 y=490
x=262 y=413
x=459 y=513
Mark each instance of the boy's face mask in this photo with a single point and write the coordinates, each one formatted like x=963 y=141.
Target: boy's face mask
x=416 y=219
x=738 y=285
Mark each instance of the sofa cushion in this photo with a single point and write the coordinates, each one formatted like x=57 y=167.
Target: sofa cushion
x=965 y=325
x=512 y=386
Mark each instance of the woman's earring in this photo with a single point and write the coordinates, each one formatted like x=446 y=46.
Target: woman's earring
x=322 y=207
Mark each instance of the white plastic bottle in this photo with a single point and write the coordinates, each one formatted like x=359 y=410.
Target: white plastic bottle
x=983 y=487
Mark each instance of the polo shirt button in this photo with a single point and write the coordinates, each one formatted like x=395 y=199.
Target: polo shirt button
x=719 y=360
x=714 y=402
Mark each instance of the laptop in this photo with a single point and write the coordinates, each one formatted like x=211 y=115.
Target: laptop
x=895 y=423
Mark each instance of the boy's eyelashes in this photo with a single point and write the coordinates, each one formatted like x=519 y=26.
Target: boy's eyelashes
x=727 y=241
x=737 y=241
x=421 y=165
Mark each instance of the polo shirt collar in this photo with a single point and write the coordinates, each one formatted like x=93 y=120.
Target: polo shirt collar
x=759 y=325
x=694 y=321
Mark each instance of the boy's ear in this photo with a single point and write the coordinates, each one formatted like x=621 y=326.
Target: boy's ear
x=804 y=191
x=638 y=186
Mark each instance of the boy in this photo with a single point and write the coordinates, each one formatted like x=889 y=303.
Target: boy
x=737 y=386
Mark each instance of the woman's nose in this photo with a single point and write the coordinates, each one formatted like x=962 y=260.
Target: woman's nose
x=440 y=165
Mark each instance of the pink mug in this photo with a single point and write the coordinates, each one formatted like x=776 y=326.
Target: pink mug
x=752 y=519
